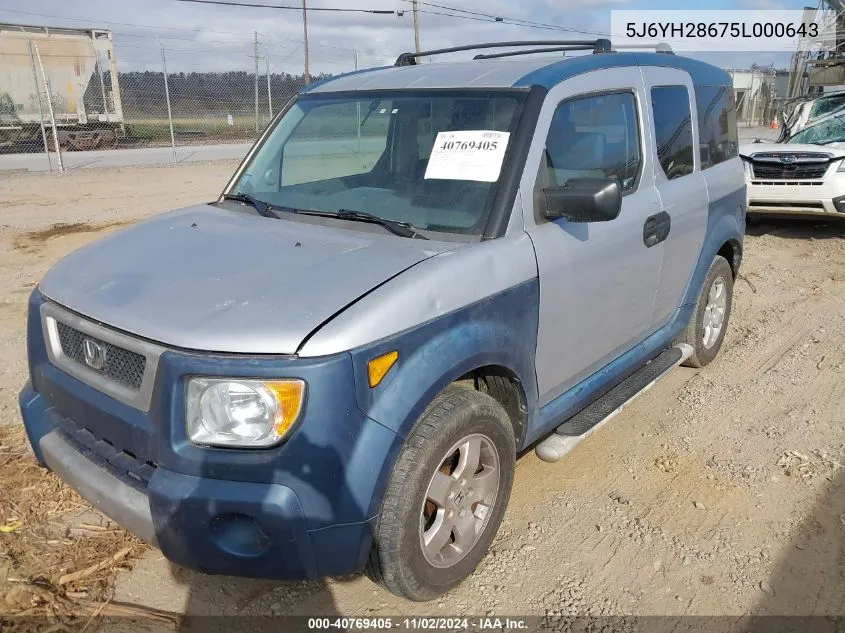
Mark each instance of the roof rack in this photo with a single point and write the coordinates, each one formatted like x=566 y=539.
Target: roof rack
x=597 y=46
x=660 y=47
x=531 y=51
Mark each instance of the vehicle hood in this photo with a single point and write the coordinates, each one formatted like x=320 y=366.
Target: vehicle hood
x=209 y=279
x=836 y=150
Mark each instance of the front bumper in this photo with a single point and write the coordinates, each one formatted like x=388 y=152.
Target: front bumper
x=124 y=504
x=211 y=525
x=823 y=197
x=302 y=510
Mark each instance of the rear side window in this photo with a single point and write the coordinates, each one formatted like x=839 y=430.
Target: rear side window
x=673 y=130
x=716 y=124
x=596 y=136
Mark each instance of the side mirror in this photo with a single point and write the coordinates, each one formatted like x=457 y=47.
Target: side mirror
x=584 y=200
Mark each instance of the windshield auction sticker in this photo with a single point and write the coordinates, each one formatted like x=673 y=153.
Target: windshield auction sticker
x=467 y=155
x=720 y=30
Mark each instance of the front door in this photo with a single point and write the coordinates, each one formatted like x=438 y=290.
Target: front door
x=598 y=280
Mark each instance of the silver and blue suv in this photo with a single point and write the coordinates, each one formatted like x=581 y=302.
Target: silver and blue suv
x=417 y=274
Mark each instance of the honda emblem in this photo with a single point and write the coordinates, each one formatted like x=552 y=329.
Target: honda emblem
x=94 y=353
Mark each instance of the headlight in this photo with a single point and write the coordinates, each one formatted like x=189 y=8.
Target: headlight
x=841 y=166
x=242 y=413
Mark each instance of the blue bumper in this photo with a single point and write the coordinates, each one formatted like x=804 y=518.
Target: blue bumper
x=302 y=510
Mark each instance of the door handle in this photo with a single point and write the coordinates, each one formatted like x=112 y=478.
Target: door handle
x=656 y=229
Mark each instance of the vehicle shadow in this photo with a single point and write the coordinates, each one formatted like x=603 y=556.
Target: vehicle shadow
x=796 y=228
x=808 y=583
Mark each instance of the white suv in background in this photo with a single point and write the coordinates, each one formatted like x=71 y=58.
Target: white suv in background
x=804 y=175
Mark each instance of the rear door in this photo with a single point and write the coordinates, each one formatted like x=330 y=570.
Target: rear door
x=677 y=175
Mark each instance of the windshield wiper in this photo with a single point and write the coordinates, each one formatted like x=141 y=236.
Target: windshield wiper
x=268 y=210
x=264 y=209
x=402 y=229
x=372 y=108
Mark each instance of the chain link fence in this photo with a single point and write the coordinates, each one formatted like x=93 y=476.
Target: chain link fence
x=65 y=90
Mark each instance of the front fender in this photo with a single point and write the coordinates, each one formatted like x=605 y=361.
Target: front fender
x=500 y=330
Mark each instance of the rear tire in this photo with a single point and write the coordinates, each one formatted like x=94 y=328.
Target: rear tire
x=706 y=330
x=462 y=452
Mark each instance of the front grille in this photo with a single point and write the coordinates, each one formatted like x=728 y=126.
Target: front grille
x=793 y=171
x=798 y=155
x=804 y=165
x=135 y=470
x=121 y=365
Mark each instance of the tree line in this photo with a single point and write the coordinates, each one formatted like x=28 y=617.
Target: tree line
x=199 y=92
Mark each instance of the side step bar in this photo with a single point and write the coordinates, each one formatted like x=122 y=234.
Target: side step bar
x=580 y=426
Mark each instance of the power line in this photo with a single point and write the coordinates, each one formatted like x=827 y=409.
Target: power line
x=247 y=36
x=503 y=19
x=495 y=20
x=141 y=26
x=299 y=8
x=179 y=39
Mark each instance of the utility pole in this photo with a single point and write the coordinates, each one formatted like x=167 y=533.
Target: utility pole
x=269 y=91
x=358 y=110
x=305 y=29
x=416 y=9
x=167 y=98
x=255 y=54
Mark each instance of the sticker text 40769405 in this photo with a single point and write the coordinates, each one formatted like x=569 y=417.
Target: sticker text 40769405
x=467 y=155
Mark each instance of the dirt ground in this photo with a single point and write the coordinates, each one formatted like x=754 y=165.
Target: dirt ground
x=720 y=492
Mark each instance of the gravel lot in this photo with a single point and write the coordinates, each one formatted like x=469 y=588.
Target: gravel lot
x=719 y=492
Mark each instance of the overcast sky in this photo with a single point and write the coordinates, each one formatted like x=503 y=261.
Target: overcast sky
x=209 y=37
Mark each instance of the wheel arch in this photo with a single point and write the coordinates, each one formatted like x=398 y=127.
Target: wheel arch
x=731 y=250
x=503 y=385
x=489 y=371
x=724 y=236
x=490 y=345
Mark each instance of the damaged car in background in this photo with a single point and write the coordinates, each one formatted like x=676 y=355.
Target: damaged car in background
x=808 y=110
x=803 y=175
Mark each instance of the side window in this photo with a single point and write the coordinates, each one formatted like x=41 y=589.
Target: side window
x=673 y=130
x=716 y=124
x=594 y=137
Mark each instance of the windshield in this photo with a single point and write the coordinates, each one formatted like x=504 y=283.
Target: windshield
x=831 y=130
x=826 y=105
x=431 y=159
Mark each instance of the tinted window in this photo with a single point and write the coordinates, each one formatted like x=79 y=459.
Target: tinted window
x=673 y=129
x=716 y=124
x=594 y=137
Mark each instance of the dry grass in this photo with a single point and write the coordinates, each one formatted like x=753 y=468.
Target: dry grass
x=50 y=571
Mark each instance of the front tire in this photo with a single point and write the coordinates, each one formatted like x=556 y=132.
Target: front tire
x=446 y=497
x=706 y=330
